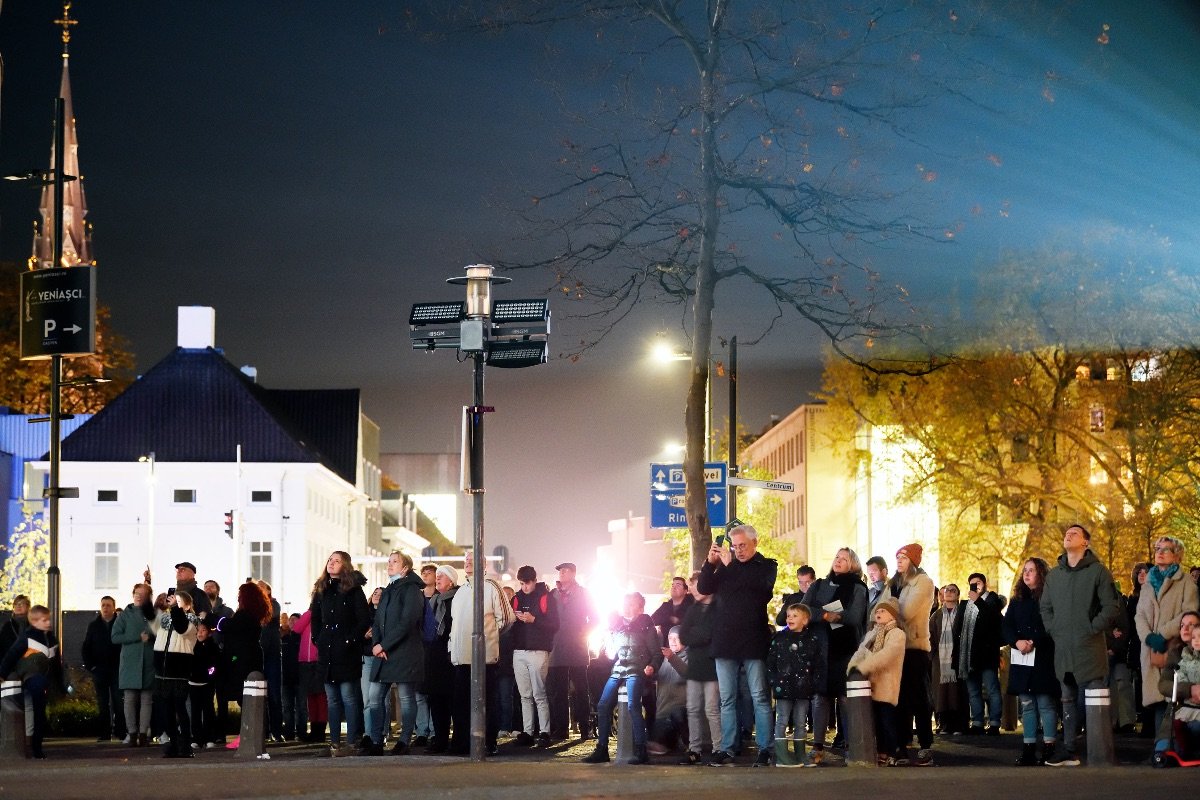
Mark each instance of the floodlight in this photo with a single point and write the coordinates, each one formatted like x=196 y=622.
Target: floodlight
x=513 y=355
x=521 y=320
x=436 y=313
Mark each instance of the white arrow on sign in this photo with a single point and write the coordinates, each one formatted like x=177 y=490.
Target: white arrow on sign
x=73 y=329
x=658 y=476
x=714 y=499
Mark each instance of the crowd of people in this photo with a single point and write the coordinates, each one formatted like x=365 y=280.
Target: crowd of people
x=703 y=675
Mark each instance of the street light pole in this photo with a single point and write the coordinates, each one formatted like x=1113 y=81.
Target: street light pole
x=733 y=440
x=53 y=576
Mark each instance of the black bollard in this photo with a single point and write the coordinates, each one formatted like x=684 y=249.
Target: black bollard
x=254 y=706
x=860 y=722
x=13 y=744
x=1100 y=751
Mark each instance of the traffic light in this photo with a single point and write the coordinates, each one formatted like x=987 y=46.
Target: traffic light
x=229 y=523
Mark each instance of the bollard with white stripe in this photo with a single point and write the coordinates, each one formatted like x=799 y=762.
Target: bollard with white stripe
x=254 y=704
x=624 y=728
x=1100 y=751
x=860 y=722
x=13 y=743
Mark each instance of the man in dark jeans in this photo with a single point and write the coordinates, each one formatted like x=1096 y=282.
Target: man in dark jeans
x=272 y=647
x=100 y=659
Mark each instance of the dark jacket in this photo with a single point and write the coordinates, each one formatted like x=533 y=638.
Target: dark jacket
x=241 y=636
x=13 y=627
x=101 y=657
x=633 y=645
x=289 y=649
x=339 y=625
x=539 y=634
x=796 y=664
x=206 y=663
x=397 y=629
x=439 y=672
x=987 y=638
x=575 y=618
x=696 y=635
x=1118 y=646
x=1078 y=605
x=668 y=615
x=33 y=652
x=740 y=592
x=1024 y=621
x=201 y=605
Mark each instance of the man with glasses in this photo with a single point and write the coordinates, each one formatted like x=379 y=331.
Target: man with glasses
x=742 y=582
x=1079 y=604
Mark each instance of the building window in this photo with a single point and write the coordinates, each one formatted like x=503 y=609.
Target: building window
x=185 y=495
x=106 y=495
x=261 y=561
x=260 y=496
x=106 y=565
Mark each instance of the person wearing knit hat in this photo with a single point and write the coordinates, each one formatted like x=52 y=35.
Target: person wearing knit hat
x=881 y=658
x=892 y=606
x=449 y=572
x=913 y=551
x=914 y=590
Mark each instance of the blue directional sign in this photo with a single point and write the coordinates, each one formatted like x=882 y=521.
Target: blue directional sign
x=667 y=489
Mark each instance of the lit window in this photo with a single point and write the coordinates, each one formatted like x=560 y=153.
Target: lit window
x=261 y=561
x=105 y=565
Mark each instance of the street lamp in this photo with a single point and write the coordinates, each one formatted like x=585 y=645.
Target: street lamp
x=506 y=333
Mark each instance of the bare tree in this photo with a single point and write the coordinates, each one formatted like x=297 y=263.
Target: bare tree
x=762 y=145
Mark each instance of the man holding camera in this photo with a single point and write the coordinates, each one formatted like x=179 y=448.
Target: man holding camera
x=979 y=654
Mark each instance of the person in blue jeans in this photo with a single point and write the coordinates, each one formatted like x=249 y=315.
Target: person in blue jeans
x=742 y=582
x=979 y=654
x=339 y=624
x=635 y=647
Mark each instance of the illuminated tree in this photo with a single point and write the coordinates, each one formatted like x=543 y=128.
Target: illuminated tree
x=26 y=562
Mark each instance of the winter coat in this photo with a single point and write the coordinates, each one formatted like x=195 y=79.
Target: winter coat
x=670 y=683
x=1078 y=605
x=496 y=613
x=668 y=615
x=882 y=667
x=33 y=652
x=916 y=599
x=797 y=664
x=936 y=620
x=136 y=669
x=633 y=645
x=206 y=663
x=1161 y=615
x=983 y=648
x=181 y=641
x=539 y=634
x=696 y=635
x=241 y=635
x=439 y=674
x=741 y=591
x=289 y=655
x=339 y=626
x=201 y=605
x=1024 y=621
x=397 y=629
x=308 y=648
x=841 y=642
x=101 y=657
x=575 y=619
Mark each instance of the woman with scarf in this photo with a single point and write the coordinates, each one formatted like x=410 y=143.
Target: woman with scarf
x=839 y=603
x=914 y=590
x=949 y=693
x=1168 y=592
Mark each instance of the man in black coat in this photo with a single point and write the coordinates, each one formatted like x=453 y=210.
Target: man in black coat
x=742 y=582
x=100 y=659
x=979 y=650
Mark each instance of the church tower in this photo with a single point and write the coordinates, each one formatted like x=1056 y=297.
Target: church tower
x=77 y=233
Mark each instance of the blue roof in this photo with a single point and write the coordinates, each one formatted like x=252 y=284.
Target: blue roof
x=194 y=405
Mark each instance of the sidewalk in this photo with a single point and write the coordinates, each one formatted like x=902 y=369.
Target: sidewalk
x=974 y=766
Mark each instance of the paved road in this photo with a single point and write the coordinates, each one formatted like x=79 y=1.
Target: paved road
x=967 y=768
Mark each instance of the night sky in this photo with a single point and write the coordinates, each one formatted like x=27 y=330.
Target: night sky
x=312 y=169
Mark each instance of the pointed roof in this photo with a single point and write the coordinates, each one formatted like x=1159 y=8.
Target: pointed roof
x=195 y=406
x=77 y=235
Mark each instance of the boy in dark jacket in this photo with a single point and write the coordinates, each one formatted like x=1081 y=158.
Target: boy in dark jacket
x=532 y=639
x=795 y=672
x=634 y=647
x=34 y=659
x=202 y=684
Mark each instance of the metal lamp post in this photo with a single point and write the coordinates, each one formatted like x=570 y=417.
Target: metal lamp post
x=508 y=334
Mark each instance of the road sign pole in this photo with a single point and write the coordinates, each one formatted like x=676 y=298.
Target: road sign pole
x=53 y=577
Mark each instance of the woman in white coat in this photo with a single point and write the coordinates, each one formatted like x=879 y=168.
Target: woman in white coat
x=1168 y=592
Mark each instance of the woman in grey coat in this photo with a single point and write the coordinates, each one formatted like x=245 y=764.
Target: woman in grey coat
x=396 y=644
x=133 y=630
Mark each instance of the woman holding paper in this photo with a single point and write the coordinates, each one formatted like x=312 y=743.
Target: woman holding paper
x=1031 y=675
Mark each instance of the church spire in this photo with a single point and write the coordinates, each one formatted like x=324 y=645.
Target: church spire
x=77 y=233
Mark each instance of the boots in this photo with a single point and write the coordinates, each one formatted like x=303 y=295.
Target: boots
x=784 y=756
x=317 y=734
x=1028 y=757
x=599 y=755
x=1047 y=752
x=640 y=755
